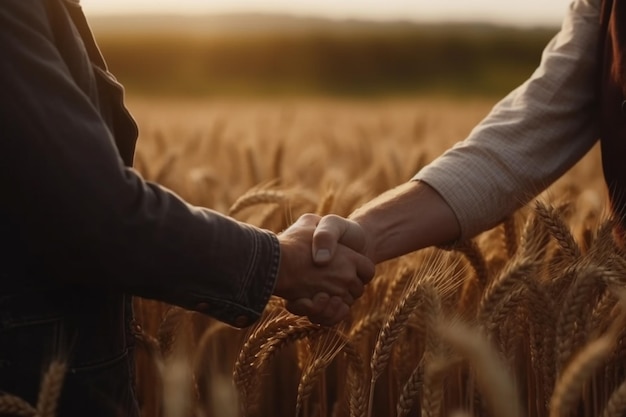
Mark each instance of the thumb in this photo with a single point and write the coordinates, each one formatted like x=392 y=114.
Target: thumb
x=332 y=230
x=326 y=237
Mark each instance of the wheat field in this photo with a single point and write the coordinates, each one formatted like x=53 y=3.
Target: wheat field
x=526 y=319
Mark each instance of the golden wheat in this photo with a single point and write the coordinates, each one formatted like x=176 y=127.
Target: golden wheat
x=537 y=292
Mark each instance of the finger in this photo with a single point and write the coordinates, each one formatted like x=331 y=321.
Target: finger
x=356 y=289
x=319 y=303
x=300 y=307
x=307 y=219
x=326 y=237
x=365 y=268
x=344 y=293
x=309 y=307
x=335 y=311
x=347 y=298
x=330 y=231
x=340 y=311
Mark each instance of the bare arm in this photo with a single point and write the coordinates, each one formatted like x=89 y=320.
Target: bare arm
x=404 y=219
x=527 y=141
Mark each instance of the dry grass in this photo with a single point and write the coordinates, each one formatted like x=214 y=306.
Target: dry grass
x=519 y=321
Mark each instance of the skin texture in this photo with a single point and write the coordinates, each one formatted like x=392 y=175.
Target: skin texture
x=404 y=219
x=322 y=292
x=409 y=217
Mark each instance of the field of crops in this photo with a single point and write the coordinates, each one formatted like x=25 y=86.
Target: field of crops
x=524 y=320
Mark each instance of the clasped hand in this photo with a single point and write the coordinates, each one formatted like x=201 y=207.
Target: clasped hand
x=323 y=268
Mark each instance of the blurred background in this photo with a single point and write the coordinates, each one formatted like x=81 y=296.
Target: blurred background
x=265 y=110
x=363 y=49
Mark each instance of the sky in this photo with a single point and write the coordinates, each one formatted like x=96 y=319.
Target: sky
x=517 y=12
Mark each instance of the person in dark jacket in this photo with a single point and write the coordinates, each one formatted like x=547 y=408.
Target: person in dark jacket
x=83 y=231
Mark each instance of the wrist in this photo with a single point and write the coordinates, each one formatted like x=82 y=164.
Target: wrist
x=368 y=231
x=281 y=287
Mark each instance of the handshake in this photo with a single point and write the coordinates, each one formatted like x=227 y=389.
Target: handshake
x=323 y=268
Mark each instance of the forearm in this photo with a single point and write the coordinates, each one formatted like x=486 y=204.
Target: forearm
x=531 y=137
x=76 y=213
x=404 y=219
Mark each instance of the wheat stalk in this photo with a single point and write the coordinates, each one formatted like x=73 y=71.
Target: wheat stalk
x=567 y=389
x=616 y=406
x=558 y=229
x=326 y=203
x=491 y=373
x=582 y=366
x=327 y=346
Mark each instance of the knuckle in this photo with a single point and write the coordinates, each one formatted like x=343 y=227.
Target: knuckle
x=309 y=217
x=332 y=217
x=358 y=290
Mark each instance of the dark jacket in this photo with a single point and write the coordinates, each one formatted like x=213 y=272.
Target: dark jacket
x=81 y=229
x=612 y=108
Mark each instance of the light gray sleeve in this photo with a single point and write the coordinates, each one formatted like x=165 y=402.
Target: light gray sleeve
x=531 y=137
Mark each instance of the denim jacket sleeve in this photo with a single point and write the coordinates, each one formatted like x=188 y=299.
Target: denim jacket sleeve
x=89 y=219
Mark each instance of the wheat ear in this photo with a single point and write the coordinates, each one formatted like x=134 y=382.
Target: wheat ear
x=535 y=238
x=244 y=372
x=169 y=328
x=558 y=230
x=255 y=197
x=357 y=395
x=50 y=390
x=410 y=391
x=326 y=347
x=500 y=295
x=370 y=322
x=475 y=257
x=15 y=406
x=509 y=227
x=394 y=325
x=568 y=326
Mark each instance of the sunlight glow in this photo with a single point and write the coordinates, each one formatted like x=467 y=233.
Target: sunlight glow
x=526 y=13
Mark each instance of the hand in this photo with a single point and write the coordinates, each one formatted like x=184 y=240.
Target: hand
x=322 y=292
x=333 y=230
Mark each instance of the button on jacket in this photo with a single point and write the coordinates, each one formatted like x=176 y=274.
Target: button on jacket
x=82 y=230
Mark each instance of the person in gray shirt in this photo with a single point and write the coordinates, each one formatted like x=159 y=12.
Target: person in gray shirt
x=528 y=140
